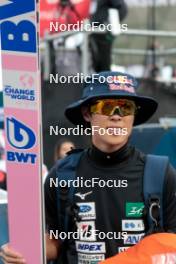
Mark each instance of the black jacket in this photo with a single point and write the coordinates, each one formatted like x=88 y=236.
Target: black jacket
x=101 y=14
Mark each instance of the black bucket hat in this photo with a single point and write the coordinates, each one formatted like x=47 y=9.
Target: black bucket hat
x=111 y=85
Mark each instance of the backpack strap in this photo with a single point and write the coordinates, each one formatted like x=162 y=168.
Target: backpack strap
x=153 y=183
x=66 y=173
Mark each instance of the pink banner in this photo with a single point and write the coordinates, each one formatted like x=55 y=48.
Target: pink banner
x=21 y=89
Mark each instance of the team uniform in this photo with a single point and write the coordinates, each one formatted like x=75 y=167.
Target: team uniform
x=117 y=210
x=112 y=210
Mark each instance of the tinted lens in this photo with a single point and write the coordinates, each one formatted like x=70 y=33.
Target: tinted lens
x=109 y=107
x=127 y=107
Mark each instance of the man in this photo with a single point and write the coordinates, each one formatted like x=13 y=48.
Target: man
x=102 y=43
x=113 y=172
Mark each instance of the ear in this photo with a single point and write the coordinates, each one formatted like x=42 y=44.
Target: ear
x=86 y=113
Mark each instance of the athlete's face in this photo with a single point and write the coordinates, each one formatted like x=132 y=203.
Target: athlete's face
x=110 y=141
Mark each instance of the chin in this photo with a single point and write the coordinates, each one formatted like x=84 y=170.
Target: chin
x=115 y=140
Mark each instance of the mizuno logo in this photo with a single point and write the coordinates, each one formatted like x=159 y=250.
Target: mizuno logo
x=83 y=195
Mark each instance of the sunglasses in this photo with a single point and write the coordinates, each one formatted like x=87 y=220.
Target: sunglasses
x=109 y=107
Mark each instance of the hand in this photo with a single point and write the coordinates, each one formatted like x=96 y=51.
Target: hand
x=9 y=256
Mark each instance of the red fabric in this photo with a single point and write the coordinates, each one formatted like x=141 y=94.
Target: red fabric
x=2 y=176
x=50 y=11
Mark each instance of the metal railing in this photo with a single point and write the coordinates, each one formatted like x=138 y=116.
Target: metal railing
x=45 y=46
x=142 y=52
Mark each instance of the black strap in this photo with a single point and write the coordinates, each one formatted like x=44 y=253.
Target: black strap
x=153 y=183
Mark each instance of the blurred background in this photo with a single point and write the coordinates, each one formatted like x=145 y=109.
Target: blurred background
x=147 y=50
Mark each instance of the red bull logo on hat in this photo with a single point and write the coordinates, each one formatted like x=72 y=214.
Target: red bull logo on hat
x=123 y=79
x=122 y=87
x=121 y=82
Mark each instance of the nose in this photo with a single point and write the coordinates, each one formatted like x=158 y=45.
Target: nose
x=115 y=117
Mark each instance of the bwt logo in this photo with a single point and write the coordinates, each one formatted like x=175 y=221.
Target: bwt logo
x=21 y=36
x=21 y=157
x=19 y=135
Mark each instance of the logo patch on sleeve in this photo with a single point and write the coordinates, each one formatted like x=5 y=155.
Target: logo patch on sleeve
x=87 y=231
x=133 y=225
x=87 y=211
x=134 y=209
x=93 y=247
x=133 y=239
